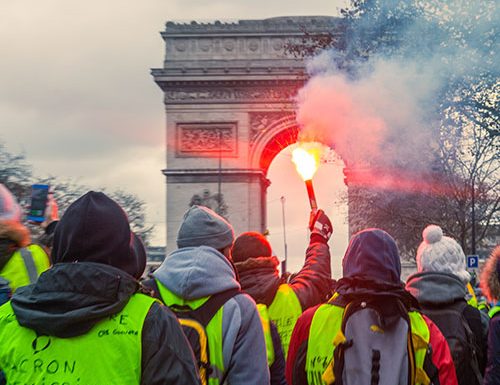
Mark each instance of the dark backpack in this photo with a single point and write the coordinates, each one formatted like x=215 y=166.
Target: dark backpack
x=378 y=348
x=5 y=291
x=194 y=323
x=463 y=344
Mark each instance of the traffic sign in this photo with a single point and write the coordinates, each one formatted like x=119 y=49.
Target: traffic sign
x=473 y=261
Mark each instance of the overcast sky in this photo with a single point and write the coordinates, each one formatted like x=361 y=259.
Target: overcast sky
x=77 y=98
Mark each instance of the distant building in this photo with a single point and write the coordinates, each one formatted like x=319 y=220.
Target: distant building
x=156 y=253
x=155 y=256
x=407 y=268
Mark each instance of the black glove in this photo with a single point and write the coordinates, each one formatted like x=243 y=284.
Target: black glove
x=320 y=224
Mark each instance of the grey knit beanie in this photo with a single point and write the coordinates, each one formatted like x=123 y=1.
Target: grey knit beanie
x=9 y=208
x=441 y=254
x=203 y=227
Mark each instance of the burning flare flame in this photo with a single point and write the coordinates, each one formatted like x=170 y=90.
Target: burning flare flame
x=306 y=161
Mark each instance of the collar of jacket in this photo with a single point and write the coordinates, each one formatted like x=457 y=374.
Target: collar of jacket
x=259 y=278
x=357 y=287
x=70 y=298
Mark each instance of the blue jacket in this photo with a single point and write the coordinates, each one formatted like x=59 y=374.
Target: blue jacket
x=195 y=272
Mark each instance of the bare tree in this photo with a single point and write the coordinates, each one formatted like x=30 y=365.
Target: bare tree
x=461 y=192
x=15 y=174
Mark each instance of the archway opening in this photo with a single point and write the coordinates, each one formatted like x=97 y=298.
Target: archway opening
x=331 y=194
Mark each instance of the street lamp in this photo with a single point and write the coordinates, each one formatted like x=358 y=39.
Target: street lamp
x=219 y=179
x=473 y=216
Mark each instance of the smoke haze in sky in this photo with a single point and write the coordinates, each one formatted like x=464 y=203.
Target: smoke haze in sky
x=386 y=108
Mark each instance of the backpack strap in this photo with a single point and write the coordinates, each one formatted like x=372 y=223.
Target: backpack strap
x=151 y=288
x=471 y=322
x=473 y=318
x=473 y=328
x=29 y=263
x=429 y=368
x=207 y=311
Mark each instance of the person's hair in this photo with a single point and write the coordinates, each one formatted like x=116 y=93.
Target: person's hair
x=250 y=245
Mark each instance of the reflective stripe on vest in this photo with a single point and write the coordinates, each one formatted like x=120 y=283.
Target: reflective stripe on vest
x=284 y=311
x=213 y=330
x=473 y=299
x=15 y=270
x=326 y=334
x=494 y=310
x=110 y=353
x=266 y=327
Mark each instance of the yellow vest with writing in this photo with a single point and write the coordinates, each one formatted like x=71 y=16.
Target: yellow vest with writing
x=284 y=311
x=110 y=353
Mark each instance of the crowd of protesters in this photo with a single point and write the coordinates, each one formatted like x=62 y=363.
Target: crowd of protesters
x=75 y=310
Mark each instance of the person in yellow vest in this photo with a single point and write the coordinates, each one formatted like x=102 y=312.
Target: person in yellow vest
x=490 y=285
x=85 y=320
x=333 y=340
x=196 y=273
x=284 y=301
x=21 y=262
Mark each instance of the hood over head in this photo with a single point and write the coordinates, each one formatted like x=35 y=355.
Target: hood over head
x=95 y=228
x=195 y=272
x=204 y=227
x=373 y=254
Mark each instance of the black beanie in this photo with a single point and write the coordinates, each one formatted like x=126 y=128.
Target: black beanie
x=95 y=228
x=250 y=245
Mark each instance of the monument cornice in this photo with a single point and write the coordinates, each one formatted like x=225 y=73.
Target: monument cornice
x=288 y=25
x=231 y=91
x=235 y=175
x=173 y=83
x=226 y=72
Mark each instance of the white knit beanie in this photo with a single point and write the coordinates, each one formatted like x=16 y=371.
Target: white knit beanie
x=9 y=208
x=441 y=254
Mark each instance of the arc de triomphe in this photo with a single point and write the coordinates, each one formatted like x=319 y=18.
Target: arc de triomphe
x=228 y=94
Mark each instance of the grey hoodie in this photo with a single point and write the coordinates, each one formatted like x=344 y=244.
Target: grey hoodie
x=436 y=288
x=195 y=272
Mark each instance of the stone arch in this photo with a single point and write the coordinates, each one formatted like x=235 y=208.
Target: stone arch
x=233 y=82
x=274 y=138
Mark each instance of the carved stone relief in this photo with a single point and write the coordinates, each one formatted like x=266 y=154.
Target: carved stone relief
x=261 y=121
x=213 y=201
x=240 y=94
x=247 y=47
x=207 y=139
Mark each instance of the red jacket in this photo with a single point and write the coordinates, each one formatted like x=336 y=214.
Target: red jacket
x=295 y=365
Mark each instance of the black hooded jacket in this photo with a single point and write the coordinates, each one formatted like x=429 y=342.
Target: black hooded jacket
x=97 y=262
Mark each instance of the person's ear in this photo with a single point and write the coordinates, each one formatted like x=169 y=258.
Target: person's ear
x=227 y=252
